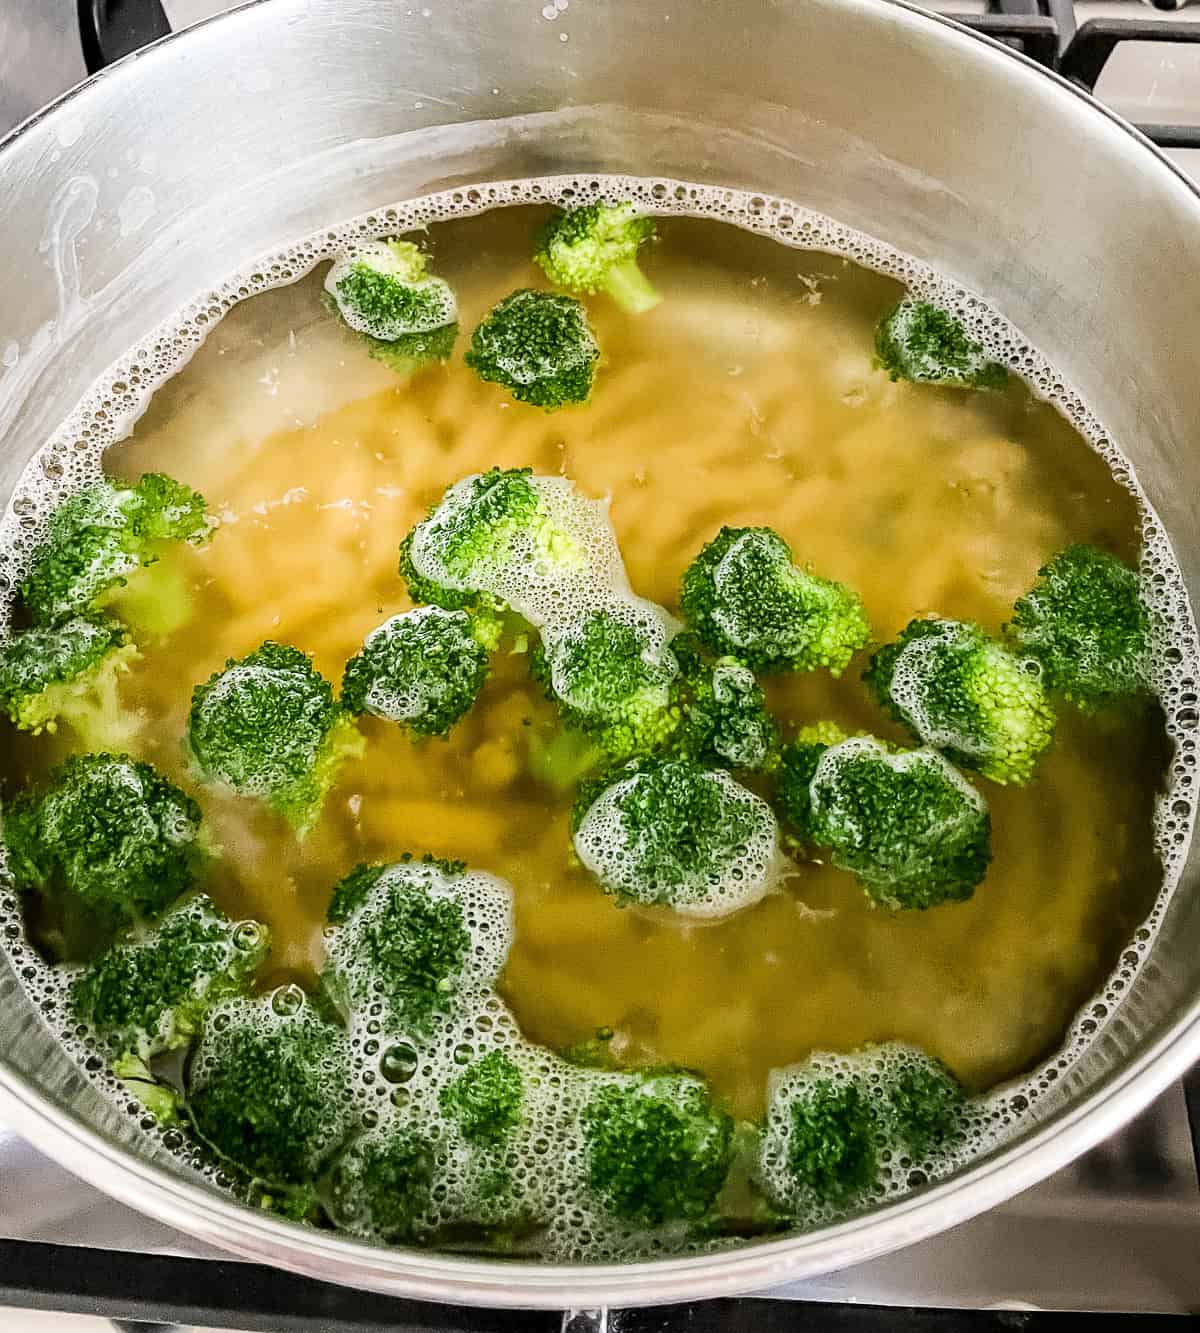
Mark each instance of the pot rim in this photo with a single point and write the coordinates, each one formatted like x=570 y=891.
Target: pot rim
x=429 y=1275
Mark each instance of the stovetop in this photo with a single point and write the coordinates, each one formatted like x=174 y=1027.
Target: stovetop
x=1117 y=1231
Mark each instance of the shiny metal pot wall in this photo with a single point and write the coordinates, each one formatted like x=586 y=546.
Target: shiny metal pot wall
x=288 y=115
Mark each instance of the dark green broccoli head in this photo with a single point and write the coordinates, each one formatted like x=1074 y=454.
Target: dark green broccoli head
x=354 y=889
x=1085 y=622
x=425 y=592
x=797 y=766
x=100 y=535
x=917 y=341
x=268 y=1087
x=380 y=1186
x=832 y=1149
x=112 y=831
x=966 y=695
x=657 y=1149
x=424 y=668
x=911 y=829
x=925 y=1102
x=594 y=249
x=268 y=726
x=724 y=717
x=539 y=346
x=485 y=1099
x=745 y=599
x=668 y=832
x=149 y=992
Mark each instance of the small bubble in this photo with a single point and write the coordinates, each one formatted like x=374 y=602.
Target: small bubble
x=399 y=1062
x=287 y=1000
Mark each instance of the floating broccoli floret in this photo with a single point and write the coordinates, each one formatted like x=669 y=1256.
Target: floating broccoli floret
x=68 y=673
x=965 y=694
x=724 y=720
x=485 y=1099
x=268 y=1086
x=745 y=599
x=539 y=346
x=917 y=341
x=832 y=1142
x=100 y=535
x=924 y=1101
x=268 y=726
x=907 y=824
x=594 y=249
x=380 y=1186
x=1085 y=622
x=424 y=668
x=657 y=1149
x=109 y=830
x=413 y=937
x=668 y=832
x=407 y=317
x=149 y=992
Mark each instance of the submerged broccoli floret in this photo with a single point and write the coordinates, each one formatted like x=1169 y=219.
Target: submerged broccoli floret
x=149 y=992
x=668 y=832
x=657 y=1149
x=594 y=249
x=379 y=1187
x=68 y=673
x=917 y=341
x=424 y=668
x=745 y=599
x=101 y=535
x=268 y=726
x=724 y=717
x=539 y=346
x=485 y=1099
x=268 y=1087
x=909 y=826
x=1085 y=622
x=966 y=695
x=158 y=1097
x=112 y=831
x=406 y=317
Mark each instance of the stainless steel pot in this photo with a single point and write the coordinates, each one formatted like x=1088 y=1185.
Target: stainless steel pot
x=151 y=183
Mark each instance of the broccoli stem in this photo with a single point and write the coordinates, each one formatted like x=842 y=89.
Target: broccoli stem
x=631 y=289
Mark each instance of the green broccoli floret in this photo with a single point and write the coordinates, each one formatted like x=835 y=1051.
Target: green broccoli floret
x=149 y=992
x=268 y=1087
x=909 y=826
x=424 y=668
x=832 y=1150
x=924 y=1101
x=406 y=317
x=485 y=1099
x=594 y=249
x=657 y=1149
x=724 y=720
x=539 y=346
x=154 y=604
x=965 y=694
x=69 y=673
x=917 y=341
x=380 y=1186
x=560 y=759
x=411 y=936
x=108 y=829
x=100 y=535
x=668 y=832
x=164 y=1102
x=745 y=599
x=1085 y=622
x=267 y=726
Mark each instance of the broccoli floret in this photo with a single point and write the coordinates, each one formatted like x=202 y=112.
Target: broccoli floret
x=485 y=1099
x=1084 y=620
x=158 y=1097
x=424 y=668
x=917 y=341
x=99 y=536
x=406 y=317
x=908 y=825
x=924 y=1101
x=425 y=591
x=594 y=249
x=108 y=829
x=268 y=1086
x=657 y=1149
x=724 y=720
x=412 y=936
x=268 y=726
x=965 y=694
x=539 y=346
x=832 y=1150
x=668 y=832
x=745 y=599
x=149 y=992
x=380 y=1186
x=69 y=673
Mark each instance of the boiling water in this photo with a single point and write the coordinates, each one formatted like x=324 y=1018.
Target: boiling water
x=747 y=397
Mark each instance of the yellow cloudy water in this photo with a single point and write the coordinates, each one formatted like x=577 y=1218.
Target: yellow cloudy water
x=747 y=397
